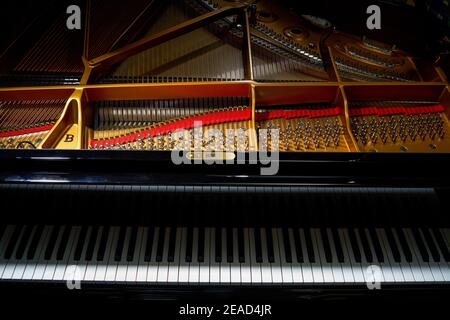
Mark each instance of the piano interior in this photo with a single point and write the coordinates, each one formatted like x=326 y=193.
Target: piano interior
x=361 y=126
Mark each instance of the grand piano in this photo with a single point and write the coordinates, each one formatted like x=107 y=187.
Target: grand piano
x=132 y=151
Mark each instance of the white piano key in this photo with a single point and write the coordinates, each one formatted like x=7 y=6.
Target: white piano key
x=183 y=269
x=255 y=267
x=285 y=267
x=364 y=263
x=310 y=274
x=71 y=272
x=266 y=270
x=22 y=263
x=204 y=267
x=102 y=266
x=446 y=237
x=225 y=269
x=111 y=266
x=122 y=265
x=131 y=273
x=406 y=267
x=194 y=267
x=435 y=269
x=62 y=264
x=443 y=265
x=12 y=262
x=357 y=268
x=395 y=267
x=235 y=266
x=318 y=244
x=163 y=266
x=214 y=273
x=52 y=262
x=41 y=264
x=3 y=245
x=175 y=265
x=91 y=266
x=152 y=269
x=375 y=261
x=246 y=275
x=385 y=266
x=297 y=273
x=277 y=276
x=142 y=265
x=320 y=274
x=414 y=266
x=347 y=268
x=82 y=263
x=338 y=274
x=76 y=271
x=33 y=263
x=424 y=267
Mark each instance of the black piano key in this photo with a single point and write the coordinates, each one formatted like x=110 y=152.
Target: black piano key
x=229 y=242
x=13 y=242
x=241 y=245
x=201 y=245
x=326 y=245
x=132 y=243
x=190 y=243
x=404 y=245
x=309 y=246
x=441 y=243
x=269 y=241
x=422 y=249
x=120 y=243
x=355 y=246
x=103 y=243
x=218 y=245
x=365 y=245
x=376 y=244
x=431 y=245
x=34 y=242
x=337 y=245
x=258 y=245
x=91 y=244
x=149 y=244
x=80 y=243
x=51 y=243
x=160 y=244
x=23 y=242
x=287 y=245
x=298 y=246
x=393 y=245
x=63 y=243
x=171 y=246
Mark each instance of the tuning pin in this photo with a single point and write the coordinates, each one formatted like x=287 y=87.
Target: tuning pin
x=307 y=135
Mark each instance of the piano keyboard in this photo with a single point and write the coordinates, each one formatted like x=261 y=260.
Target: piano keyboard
x=203 y=255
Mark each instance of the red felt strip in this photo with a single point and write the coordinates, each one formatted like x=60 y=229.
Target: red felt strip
x=26 y=131
x=299 y=113
x=184 y=124
x=374 y=111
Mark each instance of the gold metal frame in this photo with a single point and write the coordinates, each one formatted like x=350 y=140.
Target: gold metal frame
x=77 y=115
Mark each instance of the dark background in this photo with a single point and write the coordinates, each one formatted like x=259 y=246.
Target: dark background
x=414 y=29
